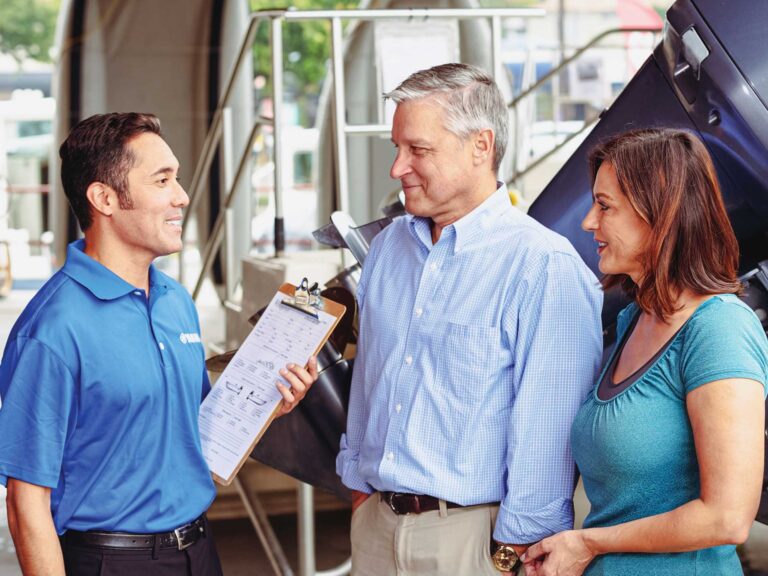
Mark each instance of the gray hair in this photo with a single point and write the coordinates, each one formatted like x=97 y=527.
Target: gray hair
x=471 y=99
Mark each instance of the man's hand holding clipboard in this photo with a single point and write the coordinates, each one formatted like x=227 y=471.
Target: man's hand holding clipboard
x=299 y=384
x=238 y=410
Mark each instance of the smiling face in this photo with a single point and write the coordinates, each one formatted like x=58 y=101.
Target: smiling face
x=443 y=177
x=152 y=226
x=621 y=234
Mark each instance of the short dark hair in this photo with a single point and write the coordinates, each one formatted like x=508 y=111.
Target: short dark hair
x=96 y=150
x=669 y=179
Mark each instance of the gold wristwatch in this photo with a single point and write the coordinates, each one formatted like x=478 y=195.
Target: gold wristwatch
x=504 y=557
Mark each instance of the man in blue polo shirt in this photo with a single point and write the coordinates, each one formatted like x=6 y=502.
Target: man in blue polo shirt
x=103 y=375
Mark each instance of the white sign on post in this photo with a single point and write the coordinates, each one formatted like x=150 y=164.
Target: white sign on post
x=403 y=49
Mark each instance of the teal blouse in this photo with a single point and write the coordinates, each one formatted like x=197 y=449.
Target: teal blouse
x=636 y=452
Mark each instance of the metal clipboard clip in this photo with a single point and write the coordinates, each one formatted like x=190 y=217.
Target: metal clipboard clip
x=305 y=299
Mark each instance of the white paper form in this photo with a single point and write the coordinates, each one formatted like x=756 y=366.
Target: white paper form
x=240 y=405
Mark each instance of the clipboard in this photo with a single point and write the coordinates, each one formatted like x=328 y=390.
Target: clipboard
x=241 y=406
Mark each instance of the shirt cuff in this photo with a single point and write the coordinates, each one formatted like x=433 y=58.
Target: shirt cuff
x=515 y=527
x=347 y=468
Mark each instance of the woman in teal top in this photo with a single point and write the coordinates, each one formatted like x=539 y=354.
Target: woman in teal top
x=670 y=441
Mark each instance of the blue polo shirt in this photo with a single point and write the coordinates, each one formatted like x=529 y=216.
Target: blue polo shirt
x=100 y=392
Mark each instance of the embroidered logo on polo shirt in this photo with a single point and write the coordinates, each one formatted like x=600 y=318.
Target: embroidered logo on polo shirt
x=189 y=337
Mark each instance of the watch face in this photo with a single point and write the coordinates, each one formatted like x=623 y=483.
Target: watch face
x=505 y=558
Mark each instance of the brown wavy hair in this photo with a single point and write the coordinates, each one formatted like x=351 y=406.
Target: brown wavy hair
x=669 y=179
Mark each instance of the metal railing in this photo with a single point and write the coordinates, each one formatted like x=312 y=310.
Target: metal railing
x=518 y=174
x=276 y=19
x=215 y=238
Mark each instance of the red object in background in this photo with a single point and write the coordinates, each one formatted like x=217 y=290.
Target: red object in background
x=637 y=14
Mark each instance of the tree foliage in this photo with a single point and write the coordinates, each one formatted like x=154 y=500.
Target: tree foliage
x=27 y=28
x=306 y=45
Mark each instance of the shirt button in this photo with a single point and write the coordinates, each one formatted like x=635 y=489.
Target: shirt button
x=162 y=346
x=433 y=266
x=390 y=456
x=138 y=292
x=419 y=312
x=398 y=408
x=409 y=360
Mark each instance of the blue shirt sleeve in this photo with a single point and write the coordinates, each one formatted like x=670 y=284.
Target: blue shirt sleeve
x=349 y=453
x=37 y=414
x=724 y=339
x=557 y=353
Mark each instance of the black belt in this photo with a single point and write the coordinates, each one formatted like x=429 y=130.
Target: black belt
x=402 y=503
x=180 y=538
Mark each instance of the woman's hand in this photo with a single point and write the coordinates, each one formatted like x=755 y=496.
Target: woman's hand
x=300 y=380
x=564 y=554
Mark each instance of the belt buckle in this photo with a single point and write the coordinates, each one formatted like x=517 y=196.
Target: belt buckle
x=390 y=500
x=394 y=499
x=180 y=534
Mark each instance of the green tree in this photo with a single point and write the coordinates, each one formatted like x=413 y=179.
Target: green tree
x=306 y=48
x=27 y=28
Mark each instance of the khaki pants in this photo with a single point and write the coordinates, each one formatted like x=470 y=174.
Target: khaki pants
x=453 y=542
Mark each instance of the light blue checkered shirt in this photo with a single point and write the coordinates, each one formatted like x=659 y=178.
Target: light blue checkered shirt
x=473 y=357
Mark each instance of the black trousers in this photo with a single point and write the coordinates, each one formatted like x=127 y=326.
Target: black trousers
x=200 y=559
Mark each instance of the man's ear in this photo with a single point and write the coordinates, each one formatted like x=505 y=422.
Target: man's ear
x=483 y=145
x=102 y=197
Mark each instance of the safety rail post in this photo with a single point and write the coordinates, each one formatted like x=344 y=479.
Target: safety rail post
x=339 y=117
x=276 y=44
x=226 y=149
x=496 y=63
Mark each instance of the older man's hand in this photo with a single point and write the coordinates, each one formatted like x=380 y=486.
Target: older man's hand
x=300 y=379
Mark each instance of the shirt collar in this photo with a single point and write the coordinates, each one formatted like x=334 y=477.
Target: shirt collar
x=470 y=228
x=158 y=282
x=100 y=280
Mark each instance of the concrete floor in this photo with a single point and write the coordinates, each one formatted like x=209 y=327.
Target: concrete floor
x=240 y=550
x=242 y=555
